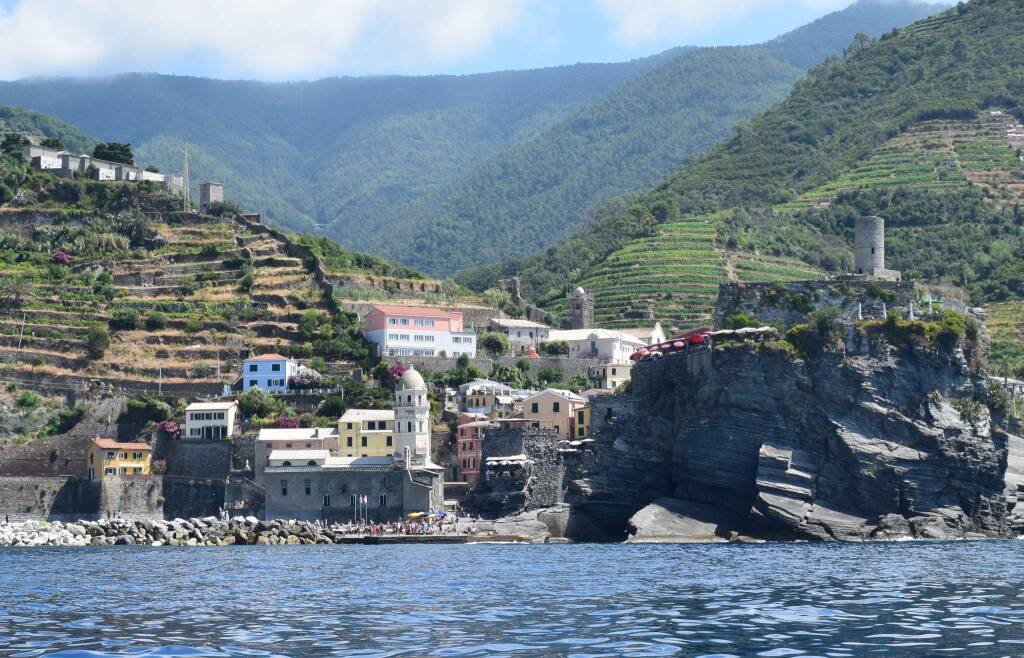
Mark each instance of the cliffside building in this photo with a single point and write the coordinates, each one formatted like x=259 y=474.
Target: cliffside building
x=209 y=194
x=580 y=305
x=367 y=433
x=210 y=420
x=604 y=345
x=557 y=409
x=522 y=334
x=269 y=372
x=869 y=249
x=418 y=331
x=109 y=458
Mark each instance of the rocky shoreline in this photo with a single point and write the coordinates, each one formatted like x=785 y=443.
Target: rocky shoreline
x=537 y=526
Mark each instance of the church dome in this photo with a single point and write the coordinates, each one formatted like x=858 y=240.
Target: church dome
x=411 y=380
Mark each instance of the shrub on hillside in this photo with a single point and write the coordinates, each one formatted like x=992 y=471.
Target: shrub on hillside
x=146 y=408
x=27 y=400
x=554 y=347
x=97 y=340
x=125 y=319
x=156 y=321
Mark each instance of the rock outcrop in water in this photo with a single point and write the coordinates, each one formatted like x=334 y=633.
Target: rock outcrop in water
x=875 y=439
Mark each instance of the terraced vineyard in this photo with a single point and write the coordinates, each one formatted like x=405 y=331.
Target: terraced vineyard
x=677 y=274
x=1006 y=324
x=181 y=312
x=935 y=156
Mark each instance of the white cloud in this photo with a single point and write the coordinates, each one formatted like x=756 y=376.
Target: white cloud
x=259 y=38
x=639 y=21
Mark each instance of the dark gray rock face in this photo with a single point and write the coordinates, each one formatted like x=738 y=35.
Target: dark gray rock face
x=840 y=446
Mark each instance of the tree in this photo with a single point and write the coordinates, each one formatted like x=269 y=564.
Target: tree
x=499 y=299
x=97 y=340
x=554 y=347
x=52 y=143
x=494 y=344
x=256 y=402
x=114 y=152
x=333 y=406
x=18 y=288
x=508 y=375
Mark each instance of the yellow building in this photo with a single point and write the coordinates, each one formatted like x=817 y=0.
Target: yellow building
x=555 y=409
x=367 y=433
x=109 y=458
x=581 y=427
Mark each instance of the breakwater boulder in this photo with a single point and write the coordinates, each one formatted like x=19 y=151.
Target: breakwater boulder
x=207 y=531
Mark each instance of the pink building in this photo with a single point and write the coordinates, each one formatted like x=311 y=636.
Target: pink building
x=469 y=435
x=417 y=331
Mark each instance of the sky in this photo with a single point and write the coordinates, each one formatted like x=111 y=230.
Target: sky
x=308 y=39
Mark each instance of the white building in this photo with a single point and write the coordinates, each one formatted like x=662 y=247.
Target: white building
x=210 y=420
x=650 y=336
x=522 y=334
x=605 y=345
x=269 y=372
x=412 y=418
x=609 y=375
x=417 y=331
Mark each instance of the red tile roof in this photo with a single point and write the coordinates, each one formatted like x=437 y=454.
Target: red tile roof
x=114 y=444
x=391 y=309
x=267 y=357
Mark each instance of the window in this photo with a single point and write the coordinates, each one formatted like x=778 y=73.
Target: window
x=136 y=455
x=352 y=500
x=110 y=471
x=557 y=430
x=284 y=487
x=388 y=441
x=392 y=321
x=580 y=432
x=348 y=442
x=276 y=367
x=252 y=383
x=349 y=425
x=137 y=471
x=579 y=416
x=90 y=457
x=408 y=426
x=309 y=486
x=110 y=454
x=309 y=445
x=123 y=455
x=555 y=407
x=371 y=425
x=327 y=500
x=122 y=470
x=615 y=371
x=535 y=407
x=405 y=322
x=362 y=442
x=253 y=367
x=383 y=500
x=220 y=415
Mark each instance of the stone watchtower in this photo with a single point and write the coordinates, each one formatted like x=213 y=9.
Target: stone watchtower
x=412 y=417
x=210 y=193
x=869 y=249
x=581 y=309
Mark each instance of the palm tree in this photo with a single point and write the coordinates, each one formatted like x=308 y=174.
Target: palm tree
x=18 y=288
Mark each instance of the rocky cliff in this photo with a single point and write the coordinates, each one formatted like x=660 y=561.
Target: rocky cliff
x=869 y=439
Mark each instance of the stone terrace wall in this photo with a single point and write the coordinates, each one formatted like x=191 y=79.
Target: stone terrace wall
x=58 y=498
x=567 y=366
x=786 y=304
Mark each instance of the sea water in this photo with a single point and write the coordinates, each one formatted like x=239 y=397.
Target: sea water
x=821 y=599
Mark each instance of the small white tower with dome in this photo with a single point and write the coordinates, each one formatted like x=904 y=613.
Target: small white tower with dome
x=412 y=417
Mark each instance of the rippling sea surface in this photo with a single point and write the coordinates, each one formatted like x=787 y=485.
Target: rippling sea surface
x=962 y=598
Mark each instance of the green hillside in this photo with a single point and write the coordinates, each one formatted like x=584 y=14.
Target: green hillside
x=19 y=120
x=471 y=168
x=917 y=127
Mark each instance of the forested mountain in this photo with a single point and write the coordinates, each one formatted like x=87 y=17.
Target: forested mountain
x=531 y=194
x=426 y=157
x=308 y=152
x=918 y=127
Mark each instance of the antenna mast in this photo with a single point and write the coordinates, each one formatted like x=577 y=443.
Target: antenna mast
x=184 y=175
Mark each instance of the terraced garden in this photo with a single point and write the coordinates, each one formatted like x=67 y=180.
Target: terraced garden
x=170 y=302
